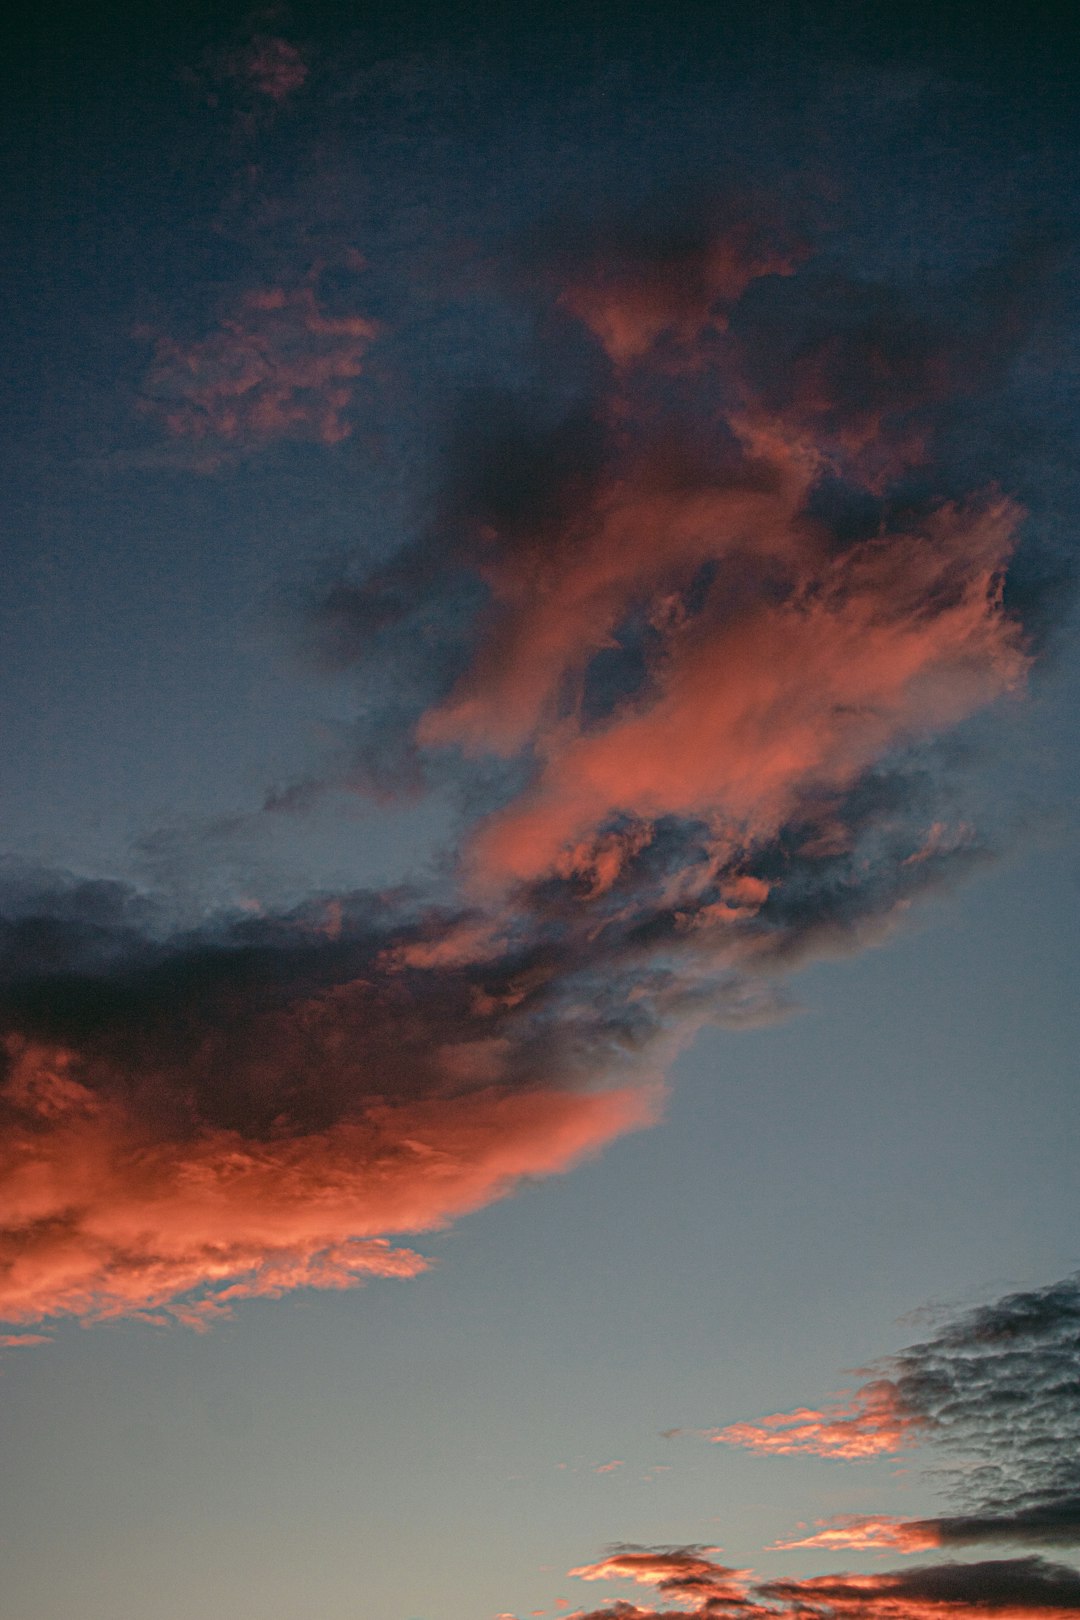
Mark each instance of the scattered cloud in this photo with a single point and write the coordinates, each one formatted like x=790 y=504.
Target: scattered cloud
x=687 y=1581
x=269 y=65
x=280 y=364
x=873 y=1422
x=998 y=1384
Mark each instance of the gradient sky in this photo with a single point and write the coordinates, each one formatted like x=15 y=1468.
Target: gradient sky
x=538 y=894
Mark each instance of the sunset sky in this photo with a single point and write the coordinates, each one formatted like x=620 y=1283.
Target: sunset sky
x=539 y=873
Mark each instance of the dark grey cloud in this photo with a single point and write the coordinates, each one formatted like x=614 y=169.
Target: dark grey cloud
x=1017 y=1584
x=997 y=1388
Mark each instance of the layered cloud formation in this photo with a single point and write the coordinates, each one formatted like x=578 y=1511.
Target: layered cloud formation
x=1000 y=1387
x=691 y=1580
x=688 y=645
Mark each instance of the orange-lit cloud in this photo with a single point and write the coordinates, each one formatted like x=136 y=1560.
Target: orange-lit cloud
x=104 y=1217
x=1000 y=1383
x=678 y=1574
x=752 y=707
x=1014 y=1589
x=677 y=624
x=700 y=651
x=873 y=1423
x=1051 y=1519
x=903 y=1535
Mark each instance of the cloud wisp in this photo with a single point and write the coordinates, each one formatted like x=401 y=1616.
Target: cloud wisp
x=279 y=365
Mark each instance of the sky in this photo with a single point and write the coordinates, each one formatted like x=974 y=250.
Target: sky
x=538 y=879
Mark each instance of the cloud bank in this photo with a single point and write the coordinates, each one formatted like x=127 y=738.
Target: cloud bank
x=999 y=1387
x=687 y=645
x=688 y=1581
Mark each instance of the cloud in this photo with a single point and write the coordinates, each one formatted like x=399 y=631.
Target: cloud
x=254 y=77
x=667 y=278
x=679 y=1574
x=873 y=1422
x=689 y=1578
x=1055 y=1522
x=280 y=364
x=191 y=1121
x=102 y=1219
x=685 y=644
x=999 y=1386
x=703 y=597
x=1015 y=1587
x=269 y=65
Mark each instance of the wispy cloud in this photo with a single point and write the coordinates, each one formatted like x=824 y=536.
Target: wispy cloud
x=874 y=1421
x=279 y=364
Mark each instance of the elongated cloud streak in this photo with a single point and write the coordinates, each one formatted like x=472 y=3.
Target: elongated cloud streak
x=873 y=1422
x=690 y=1579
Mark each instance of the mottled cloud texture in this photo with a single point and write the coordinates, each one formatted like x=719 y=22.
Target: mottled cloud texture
x=999 y=1387
x=278 y=365
x=688 y=645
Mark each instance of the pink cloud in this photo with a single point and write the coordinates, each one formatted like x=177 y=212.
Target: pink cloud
x=873 y=1423
x=867 y=1531
x=680 y=1574
x=278 y=365
x=1008 y=1589
x=272 y=66
x=633 y=302
x=751 y=712
x=103 y=1218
